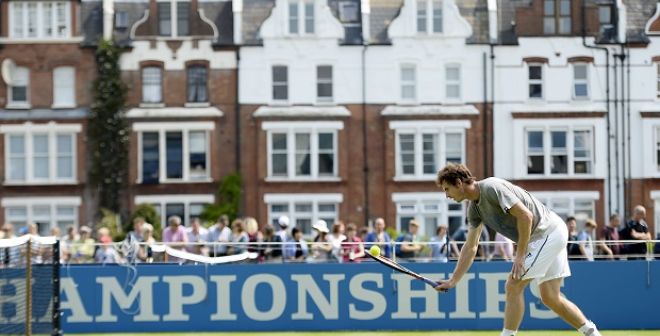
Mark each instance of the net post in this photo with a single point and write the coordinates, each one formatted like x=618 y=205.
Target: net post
x=57 y=329
x=28 y=288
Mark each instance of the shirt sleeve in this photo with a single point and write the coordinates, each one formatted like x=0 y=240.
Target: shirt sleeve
x=505 y=197
x=474 y=218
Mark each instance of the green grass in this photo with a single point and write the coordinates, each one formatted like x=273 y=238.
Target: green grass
x=402 y=333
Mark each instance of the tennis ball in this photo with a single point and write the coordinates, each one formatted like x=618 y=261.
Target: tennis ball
x=374 y=250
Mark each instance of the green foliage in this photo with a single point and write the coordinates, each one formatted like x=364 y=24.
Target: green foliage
x=111 y=221
x=150 y=215
x=107 y=132
x=228 y=199
x=392 y=232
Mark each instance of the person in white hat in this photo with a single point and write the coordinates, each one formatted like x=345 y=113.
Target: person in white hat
x=321 y=248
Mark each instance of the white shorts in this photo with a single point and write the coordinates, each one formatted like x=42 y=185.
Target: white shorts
x=547 y=258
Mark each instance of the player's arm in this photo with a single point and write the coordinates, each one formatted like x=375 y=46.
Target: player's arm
x=465 y=258
x=524 y=219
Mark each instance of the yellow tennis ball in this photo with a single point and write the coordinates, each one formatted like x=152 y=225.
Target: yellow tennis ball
x=374 y=250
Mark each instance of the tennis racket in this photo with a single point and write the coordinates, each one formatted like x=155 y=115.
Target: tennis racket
x=396 y=266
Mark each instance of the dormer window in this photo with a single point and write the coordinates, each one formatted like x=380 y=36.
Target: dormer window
x=173 y=18
x=301 y=17
x=39 y=20
x=429 y=16
x=557 y=17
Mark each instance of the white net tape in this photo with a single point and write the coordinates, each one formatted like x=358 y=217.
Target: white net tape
x=18 y=241
x=202 y=259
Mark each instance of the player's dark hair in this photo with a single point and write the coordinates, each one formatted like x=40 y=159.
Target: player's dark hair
x=454 y=172
x=570 y=218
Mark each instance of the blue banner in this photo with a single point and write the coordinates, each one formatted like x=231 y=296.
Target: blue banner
x=367 y=296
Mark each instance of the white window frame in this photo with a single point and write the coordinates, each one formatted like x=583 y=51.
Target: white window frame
x=52 y=130
x=41 y=26
x=549 y=198
x=185 y=128
x=419 y=128
x=313 y=128
x=408 y=83
x=292 y=199
x=570 y=148
x=519 y=136
x=413 y=205
x=321 y=81
x=52 y=202
x=144 y=102
x=536 y=81
x=273 y=100
x=429 y=16
x=655 y=196
x=11 y=103
x=302 y=17
x=163 y=200
x=67 y=99
x=584 y=81
x=454 y=82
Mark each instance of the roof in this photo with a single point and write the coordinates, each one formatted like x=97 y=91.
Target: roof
x=91 y=15
x=639 y=12
x=255 y=12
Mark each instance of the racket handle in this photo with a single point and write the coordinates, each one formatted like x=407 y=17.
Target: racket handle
x=433 y=284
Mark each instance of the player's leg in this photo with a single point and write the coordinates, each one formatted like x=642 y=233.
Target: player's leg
x=567 y=310
x=514 y=308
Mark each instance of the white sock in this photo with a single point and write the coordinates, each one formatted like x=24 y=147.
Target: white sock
x=507 y=332
x=589 y=329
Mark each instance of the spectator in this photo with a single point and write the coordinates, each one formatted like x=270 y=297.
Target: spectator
x=585 y=239
x=9 y=255
x=272 y=250
x=106 y=254
x=175 y=237
x=66 y=242
x=440 y=244
x=132 y=244
x=352 y=247
x=148 y=240
x=288 y=244
x=380 y=237
x=254 y=237
x=301 y=251
x=610 y=233
x=218 y=237
x=196 y=235
x=239 y=237
x=335 y=238
x=572 y=247
x=503 y=248
x=636 y=229
x=364 y=231
x=48 y=251
x=408 y=243
x=321 y=248
x=82 y=250
x=459 y=237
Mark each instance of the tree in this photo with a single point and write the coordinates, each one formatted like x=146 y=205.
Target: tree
x=107 y=131
x=228 y=200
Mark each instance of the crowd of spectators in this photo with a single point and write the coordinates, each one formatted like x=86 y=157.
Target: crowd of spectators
x=339 y=242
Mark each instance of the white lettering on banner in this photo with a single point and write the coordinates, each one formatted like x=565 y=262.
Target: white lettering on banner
x=17 y=300
x=223 y=293
x=374 y=298
x=248 y=297
x=73 y=302
x=178 y=300
x=544 y=312
x=329 y=307
x=462 y=291
x=111 y=289
x=405 y=294
x=493 y=295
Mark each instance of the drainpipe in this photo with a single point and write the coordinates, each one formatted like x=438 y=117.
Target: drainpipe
x=607 y=103
x=365 y=165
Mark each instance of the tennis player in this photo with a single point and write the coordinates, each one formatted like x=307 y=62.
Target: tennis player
x=540 y=234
